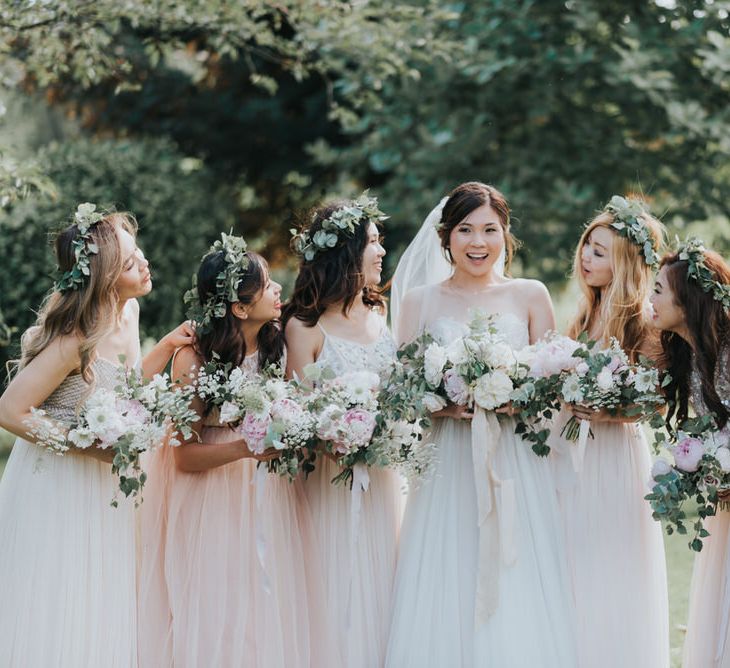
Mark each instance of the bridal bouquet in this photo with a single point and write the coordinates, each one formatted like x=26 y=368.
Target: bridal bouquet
x=137 y=416
x=605 y=379
x=700 y=472
x=266 y=410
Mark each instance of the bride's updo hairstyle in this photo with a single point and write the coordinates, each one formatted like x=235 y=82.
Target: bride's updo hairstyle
x=709 y=325
x=468 y=197
x=334 y=275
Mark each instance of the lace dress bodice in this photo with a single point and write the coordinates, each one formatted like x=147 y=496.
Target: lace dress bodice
x=64 y=402
x=511 y=327
x=343 y=355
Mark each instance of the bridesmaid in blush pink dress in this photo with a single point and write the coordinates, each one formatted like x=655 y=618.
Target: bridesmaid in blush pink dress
x=336 y=319
x=224 y=579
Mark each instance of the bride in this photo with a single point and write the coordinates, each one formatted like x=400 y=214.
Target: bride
x=481 y=563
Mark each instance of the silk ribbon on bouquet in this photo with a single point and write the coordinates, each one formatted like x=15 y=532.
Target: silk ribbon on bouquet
x=495 y=513
x=578 y=451
x=360 y=484
x=259 y=483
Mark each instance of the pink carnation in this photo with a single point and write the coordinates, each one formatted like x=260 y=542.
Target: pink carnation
x=688 y=453
x=253 y=428
x=456 y=389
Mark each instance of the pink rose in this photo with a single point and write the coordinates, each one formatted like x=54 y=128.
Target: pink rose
x=688 y=453
x=253 y=428
x=554 y=356
x=456 y=389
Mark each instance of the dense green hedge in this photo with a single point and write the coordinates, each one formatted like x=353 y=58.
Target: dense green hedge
x=179 y=206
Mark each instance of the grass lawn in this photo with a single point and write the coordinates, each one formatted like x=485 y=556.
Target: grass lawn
x=679 y=568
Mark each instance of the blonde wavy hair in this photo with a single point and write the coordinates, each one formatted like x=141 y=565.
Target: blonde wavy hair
x=89 y=312
x=623 y=304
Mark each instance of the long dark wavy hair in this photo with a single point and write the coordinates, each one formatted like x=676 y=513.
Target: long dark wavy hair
x=334 y=276
x=225 y=337
x=709 y=325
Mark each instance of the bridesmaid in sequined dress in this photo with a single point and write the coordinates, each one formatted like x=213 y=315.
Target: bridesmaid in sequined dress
x=693 y=315
x=67 y=558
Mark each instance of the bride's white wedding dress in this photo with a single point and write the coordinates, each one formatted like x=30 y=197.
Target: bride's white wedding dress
x=439 y=618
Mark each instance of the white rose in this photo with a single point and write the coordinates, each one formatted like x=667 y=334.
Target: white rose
x=433 y=402
x=228 y=412
x=497 y=354
x=581 y=368
x=493 y=390
x=723 y=459
x=434 y=359
x=604 y=379
x=661 y=467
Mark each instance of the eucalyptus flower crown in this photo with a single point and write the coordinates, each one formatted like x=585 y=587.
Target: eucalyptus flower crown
x=627 y=214
x=235 y=263
x=85 y=218
x=692 y=251
x=341 y=222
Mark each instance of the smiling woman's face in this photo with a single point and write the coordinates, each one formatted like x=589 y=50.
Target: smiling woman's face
x=477 y=242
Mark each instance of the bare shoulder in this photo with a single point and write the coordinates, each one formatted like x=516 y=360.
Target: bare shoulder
x=530 y=288
x=299 y=330
x=184 y=362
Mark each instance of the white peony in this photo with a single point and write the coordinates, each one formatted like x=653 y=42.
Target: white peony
x=433 y=402
x=661 y=467
x=571 y=389
x=723 y=459
x=229 y=412
x=493 y=390
x=604 y=380
x=434 y=359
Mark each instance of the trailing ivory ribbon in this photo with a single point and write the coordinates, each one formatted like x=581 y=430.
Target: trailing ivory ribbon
x=259 y=483
x=495 y=513
x=360 y=484
x=578 y=451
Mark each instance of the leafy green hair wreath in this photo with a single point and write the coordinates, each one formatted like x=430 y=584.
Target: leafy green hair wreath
x=235 y=263
x=627 y=221
x=85 y=218
x=341 y=222
x=692 y=251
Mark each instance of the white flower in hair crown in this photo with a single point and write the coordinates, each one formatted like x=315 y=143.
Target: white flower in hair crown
x=85 y=217
x=692 y=252
x=340 y=223
x=226 y=283
x=627 y=221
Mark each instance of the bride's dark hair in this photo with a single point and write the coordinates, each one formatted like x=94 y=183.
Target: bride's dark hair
x=709 y=325
x=334 y=275
x=225 y=338
x=468 y=197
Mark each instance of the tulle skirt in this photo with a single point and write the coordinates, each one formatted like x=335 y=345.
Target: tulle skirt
x=223 y=576
x=615 y=549
x=67 y=563
x=707 y=644
x=434 y=622
x=359 y=558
